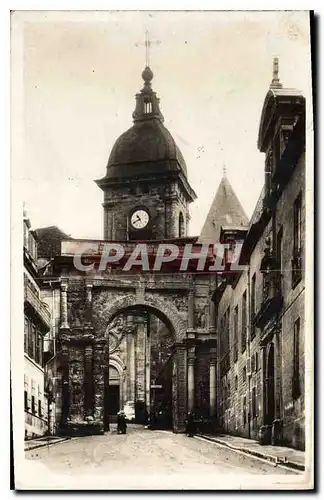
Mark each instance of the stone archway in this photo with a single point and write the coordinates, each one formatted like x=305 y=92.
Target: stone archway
x=165 y=310
x=177 y=325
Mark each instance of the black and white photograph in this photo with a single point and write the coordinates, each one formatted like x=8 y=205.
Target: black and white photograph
x=162 y=174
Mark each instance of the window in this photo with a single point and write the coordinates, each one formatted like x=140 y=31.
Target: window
x=33 y=406
x=236 y=382
x=253 y=306
x=37 y=348
x=256 y=362
x=296 y=371
x=254 y=403
x=244 y=410
x=33 y=341
x=297 y=243
x=32 y=246
x=252 y=363
x=147 y=107
x=181 y=225
x=26 y=400
x=224 y=348
x=25 y=235
x=40 y=408
x=30 y=340
x=268 y=171
x=244 y=374
x=235 y=320
x=26 y=335
x=243 y=334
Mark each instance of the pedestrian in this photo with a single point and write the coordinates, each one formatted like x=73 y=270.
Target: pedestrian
x=190 y=425
x=121 y=423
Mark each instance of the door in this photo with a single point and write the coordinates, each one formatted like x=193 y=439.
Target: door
x=111 y=396
x=270 y=386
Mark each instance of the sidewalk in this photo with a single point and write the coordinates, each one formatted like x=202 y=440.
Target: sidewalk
x=32 y=444
x=277 y=454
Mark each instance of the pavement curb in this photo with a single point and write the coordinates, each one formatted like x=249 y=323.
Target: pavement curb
x=46 y=443
x=247 y=451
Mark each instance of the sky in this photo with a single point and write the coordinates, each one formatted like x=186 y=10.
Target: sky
x=212 y=70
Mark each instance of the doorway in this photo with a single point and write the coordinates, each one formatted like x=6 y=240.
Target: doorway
x=270 y=414
x=111 y=396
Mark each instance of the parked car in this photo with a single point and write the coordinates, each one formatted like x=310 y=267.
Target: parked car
x=129 y=410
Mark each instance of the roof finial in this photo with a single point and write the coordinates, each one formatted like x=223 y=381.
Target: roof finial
x=224 y=170
x=275 y=84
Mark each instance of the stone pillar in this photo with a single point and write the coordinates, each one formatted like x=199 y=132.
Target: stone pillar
x=171 y=221
x=148 y=370
x=131 y=368
x=64 y=307
x=212 y=383
x=65 y=385
x=89 y=287
x=99 y=379
x=263 y=383
x=187 y=222
x=76 y=379
x=179 y=387
x=140 y=360
x=191 y=309
x=278 y=391
x=88 y=381
x=191 y=379
x=212 y=316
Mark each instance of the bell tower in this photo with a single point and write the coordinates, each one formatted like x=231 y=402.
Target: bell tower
x=146 y=190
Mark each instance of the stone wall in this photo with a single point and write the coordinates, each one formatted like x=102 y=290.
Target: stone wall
x=164 y=201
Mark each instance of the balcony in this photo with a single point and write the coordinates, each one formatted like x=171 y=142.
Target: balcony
x=32 y=300
x=271 y=298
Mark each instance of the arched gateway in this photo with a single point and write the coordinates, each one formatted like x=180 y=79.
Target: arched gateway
x=101 y=325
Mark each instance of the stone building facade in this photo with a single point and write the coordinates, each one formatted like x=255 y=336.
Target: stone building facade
x=261 y=311
x=37 y=322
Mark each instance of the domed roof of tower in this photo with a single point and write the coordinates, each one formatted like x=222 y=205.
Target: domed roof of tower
x=226 y=210
x=147 y=147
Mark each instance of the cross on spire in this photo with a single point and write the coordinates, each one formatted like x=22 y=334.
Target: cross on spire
x=147 y=43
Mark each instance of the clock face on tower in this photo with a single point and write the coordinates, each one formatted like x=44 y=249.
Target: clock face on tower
x=139 y=219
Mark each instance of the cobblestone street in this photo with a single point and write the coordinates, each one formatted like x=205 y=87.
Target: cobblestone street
x=144 y=459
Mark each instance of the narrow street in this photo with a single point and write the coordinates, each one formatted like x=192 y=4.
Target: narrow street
x=144 y=459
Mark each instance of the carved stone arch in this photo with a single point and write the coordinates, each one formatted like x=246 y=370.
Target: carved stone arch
x=117 y=363
x=163 y=309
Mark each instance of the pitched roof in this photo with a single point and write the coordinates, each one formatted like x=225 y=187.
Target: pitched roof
x=226 y=210
x=49 y=241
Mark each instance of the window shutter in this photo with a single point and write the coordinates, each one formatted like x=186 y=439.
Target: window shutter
x=29 y=400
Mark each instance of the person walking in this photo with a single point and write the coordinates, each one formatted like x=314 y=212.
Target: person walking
x=190 y=424
x=121 y=423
